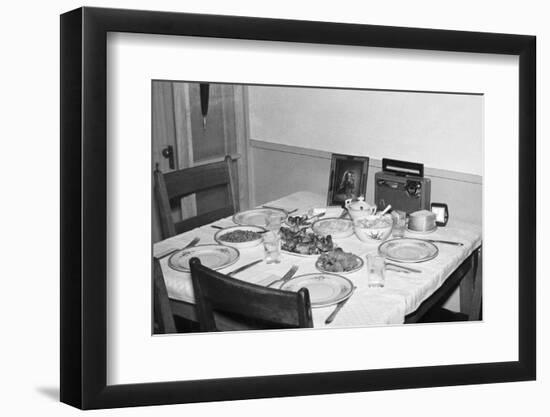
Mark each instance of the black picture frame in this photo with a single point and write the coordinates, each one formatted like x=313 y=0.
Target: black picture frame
x=84 y=207
x=344 y=165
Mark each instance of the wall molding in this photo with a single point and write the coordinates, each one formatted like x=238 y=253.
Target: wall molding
x=374 y=163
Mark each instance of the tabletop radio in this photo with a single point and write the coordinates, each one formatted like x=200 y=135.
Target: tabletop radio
x=402 y=184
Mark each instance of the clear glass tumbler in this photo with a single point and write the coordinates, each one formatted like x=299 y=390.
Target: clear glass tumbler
x=399 y=223
x=272 y=247
x=273 y=222
x=376 y=270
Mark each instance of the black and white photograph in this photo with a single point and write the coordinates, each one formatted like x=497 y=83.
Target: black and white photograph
x=348 y=178
x=310 y=205
x=289 y=207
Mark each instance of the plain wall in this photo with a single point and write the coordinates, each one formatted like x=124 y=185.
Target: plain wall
x=279 y=170
x=442 y=131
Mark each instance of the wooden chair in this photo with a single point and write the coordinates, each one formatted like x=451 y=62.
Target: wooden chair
x=162 y=312
x=172 y=186
x=225 y=303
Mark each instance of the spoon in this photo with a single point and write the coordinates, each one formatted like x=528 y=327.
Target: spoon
x=316 y=216
x=385 y=210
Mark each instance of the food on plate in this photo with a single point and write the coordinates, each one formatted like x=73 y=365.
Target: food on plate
x=304 y=242
x=239 y=236
x=297 y=222
x=338 y=261
x=374 y=222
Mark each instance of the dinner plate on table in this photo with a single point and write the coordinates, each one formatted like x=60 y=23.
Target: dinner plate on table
x=324 y=289
x=212 y=256
x=257 y=217
x=334 y=226
x=408 y=250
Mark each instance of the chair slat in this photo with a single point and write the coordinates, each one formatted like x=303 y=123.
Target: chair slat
x=177 y=184
x=252 y=306
x=191 y=180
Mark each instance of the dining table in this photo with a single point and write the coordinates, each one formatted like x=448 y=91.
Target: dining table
x=404 y=298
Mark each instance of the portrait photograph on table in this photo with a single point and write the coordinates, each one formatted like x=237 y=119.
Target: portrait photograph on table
x=284 y=207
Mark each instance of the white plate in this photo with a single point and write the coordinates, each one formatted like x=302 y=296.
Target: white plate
x=239 y=245
x=212 y=256
x=419 y=232
x=408 y=250
x=257 y=217
x=324 y=289
x=337 y=228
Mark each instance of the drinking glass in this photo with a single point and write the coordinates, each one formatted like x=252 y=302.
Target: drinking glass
x=272 y=247
x=399 y=223
x=273 y=222
x=376 y=270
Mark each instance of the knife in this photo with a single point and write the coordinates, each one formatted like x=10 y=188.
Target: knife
x=242 y=268
x=401 y=271
x=446 y=242
x=338 y=308
x=405 y=268
x=280 y=208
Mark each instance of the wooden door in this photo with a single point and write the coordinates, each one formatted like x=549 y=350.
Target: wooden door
x=212 y=137
x=178 y=122
x=163 y=136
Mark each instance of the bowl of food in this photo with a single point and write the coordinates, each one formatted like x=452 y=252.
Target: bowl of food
x=240 y=237
x=373 y=227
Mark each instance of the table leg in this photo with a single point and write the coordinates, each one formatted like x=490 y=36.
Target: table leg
x=470 y=288
x=467 y=289
x=477 y=295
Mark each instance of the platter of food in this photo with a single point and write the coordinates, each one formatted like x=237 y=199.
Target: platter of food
x=304 y=243
x=324 y=289
x=258 y=216
x=240 y=237
x=336 y=227
x=212 y=256
x=338 y=261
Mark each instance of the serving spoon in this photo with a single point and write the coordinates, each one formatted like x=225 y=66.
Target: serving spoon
x=385 y=211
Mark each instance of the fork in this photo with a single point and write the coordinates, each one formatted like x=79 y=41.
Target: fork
x=190 y=244
x=285 y=277
x=280 y=208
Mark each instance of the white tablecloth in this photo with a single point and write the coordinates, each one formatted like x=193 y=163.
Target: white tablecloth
x=401 y=295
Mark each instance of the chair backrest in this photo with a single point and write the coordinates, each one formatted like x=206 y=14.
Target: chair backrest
x=222 y=299
x=162 y=312
x=172 y=186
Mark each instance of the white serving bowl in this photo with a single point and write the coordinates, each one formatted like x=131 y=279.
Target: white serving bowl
x=240 y=245
x=373 y=227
